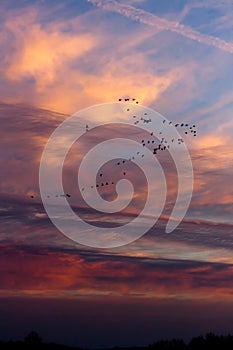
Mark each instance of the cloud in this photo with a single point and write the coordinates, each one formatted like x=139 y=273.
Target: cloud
x=211 y=196
x=41 y=54
x=60 y=64
x=44 y=270
x=25 y=224
x=163 y=24
x=65 y=69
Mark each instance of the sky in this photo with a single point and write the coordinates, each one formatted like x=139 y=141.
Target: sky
x=58 y=58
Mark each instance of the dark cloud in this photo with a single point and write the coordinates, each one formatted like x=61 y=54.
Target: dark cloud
x=42 y=259
x=105 y=322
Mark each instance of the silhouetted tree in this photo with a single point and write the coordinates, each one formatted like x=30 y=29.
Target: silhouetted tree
x=177 y=344
x=208 y=342
x=33 y=338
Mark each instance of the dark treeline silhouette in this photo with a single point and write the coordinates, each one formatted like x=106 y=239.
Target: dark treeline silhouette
x=208 y=342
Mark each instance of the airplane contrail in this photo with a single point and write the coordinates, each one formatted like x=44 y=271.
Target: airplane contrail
x=162 y=23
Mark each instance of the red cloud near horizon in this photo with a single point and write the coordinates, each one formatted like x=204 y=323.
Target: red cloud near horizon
x=44 y=271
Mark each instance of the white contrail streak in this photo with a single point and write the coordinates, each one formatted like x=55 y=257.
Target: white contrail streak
x=162 y=24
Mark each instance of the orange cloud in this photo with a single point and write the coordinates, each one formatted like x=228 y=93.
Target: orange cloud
x=44 y=53
x=60 y=271
x=47 y=55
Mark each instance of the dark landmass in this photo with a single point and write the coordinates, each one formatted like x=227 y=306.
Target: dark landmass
x=209 y=341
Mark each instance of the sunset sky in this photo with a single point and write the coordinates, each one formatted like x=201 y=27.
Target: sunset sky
x=58 y=57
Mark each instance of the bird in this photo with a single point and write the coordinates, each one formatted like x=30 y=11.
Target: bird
x=161 y=146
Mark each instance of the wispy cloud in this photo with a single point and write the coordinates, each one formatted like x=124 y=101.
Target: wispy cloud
x=20 y=164
x=162 y=23
x=53 y=270
x=46 y=55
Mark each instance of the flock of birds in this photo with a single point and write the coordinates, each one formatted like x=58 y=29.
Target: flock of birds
x=162 y=145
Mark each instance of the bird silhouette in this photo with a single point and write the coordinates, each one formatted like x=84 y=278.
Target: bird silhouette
x=159 y=145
